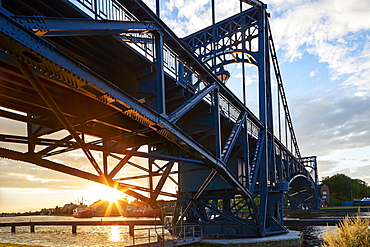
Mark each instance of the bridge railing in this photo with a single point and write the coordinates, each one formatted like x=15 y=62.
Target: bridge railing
x=144 y=44
x=104 y=10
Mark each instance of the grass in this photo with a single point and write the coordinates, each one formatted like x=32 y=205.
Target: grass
x=351 y=232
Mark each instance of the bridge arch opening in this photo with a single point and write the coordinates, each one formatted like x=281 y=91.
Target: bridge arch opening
x=302 y=193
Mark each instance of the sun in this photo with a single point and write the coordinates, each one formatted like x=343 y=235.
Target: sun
x=103 y=192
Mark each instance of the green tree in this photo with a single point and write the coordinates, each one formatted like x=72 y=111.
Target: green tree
x=344 y=188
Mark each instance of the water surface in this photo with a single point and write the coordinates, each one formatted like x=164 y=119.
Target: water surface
x=63 y=236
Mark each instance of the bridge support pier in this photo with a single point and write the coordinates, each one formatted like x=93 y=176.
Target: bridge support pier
x=32 y=228
x=13 y=229
x=74 y=229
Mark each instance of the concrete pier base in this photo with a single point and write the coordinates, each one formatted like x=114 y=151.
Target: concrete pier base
x=292 y=238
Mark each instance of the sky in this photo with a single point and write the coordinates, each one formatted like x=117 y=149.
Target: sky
x=323 y=48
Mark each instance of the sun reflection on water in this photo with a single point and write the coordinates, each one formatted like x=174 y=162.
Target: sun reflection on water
x=115 y=234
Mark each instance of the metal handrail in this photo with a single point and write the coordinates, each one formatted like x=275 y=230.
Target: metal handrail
x=181 y=234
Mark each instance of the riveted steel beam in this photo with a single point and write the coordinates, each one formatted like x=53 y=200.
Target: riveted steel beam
x=53 y=26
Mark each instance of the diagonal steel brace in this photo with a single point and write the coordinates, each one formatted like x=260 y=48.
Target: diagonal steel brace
x=35 y=82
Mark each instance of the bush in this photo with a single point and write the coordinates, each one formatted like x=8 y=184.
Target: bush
x=351 y=232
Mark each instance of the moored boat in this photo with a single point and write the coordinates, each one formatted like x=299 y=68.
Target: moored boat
x=363 y=202
x=83 y=212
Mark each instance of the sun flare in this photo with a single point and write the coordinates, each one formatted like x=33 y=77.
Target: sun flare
x=103 y=192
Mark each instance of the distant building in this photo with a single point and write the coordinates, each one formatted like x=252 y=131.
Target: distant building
x=325 y=196
x=67 y=208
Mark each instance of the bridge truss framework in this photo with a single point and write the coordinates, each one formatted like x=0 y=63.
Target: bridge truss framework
x=131 y=95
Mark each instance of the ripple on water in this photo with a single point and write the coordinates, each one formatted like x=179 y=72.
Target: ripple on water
x=62 y=235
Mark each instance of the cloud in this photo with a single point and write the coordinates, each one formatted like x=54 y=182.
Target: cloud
x=332 y=124
x=326 y=165
x=333 y=31
x=186 y=17
x=313 y=72
x=15 y=174
x=356 y=173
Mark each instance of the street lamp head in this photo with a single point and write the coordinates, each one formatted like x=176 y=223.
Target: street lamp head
x=223 y=74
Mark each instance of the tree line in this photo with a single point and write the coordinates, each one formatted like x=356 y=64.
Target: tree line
x=344 y=188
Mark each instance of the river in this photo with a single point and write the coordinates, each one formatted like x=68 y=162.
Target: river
x=312 y=235
x=63 y=236
x=104 y=235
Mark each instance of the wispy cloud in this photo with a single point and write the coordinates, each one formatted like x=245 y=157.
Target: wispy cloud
x=334 y=31
x=333 y=124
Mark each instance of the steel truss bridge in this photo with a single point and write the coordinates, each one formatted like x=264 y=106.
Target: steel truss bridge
x=107 y=78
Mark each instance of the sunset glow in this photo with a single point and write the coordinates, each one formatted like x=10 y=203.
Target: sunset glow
x=103 y=192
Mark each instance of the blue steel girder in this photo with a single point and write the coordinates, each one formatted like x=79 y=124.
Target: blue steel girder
x=20 y=43
x=234 y=134
x=52 y=26
x=176 y=114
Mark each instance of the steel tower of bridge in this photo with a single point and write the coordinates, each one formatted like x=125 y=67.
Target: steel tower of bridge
x=132 y=96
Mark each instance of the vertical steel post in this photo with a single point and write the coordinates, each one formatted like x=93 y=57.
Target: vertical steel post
x=157 y=8
x=214 y=37
x=105 y=158
x=150 y=176
x=246 y=154
x=96 y=9
x=159 y=63
x=217 y=125
x=31 y=139
x=243 y=70
x=263 y=115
